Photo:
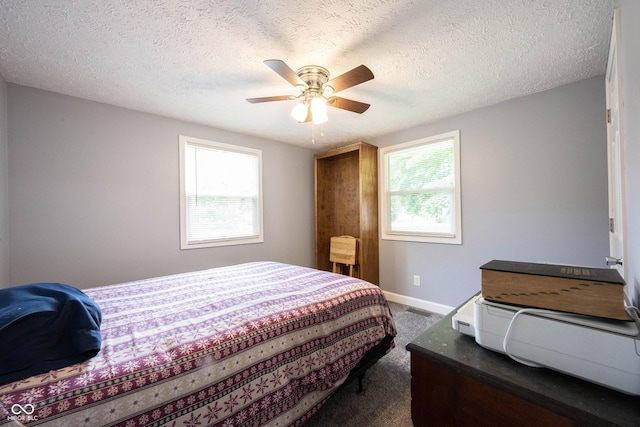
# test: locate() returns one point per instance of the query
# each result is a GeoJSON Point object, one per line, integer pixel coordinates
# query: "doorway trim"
{"type": "Point", "coordinates": [616, 151]}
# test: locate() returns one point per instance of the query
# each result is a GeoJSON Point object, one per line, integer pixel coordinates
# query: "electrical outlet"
{"type": "Point", "coordinates": [416, 280]}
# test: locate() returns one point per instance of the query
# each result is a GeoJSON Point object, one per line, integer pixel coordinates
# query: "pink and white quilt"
{"type": "Point", "coordinates": [253, 344]}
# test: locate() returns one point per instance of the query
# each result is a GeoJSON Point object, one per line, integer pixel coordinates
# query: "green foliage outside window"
{"type": "Point", "coordinates": [421, 185]}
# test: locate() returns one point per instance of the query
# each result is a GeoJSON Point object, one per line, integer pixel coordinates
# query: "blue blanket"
{"type": "Point", "coordinates": [46, 326]}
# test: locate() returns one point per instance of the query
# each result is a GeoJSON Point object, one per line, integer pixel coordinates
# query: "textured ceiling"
{"type": "Point", "coordinates": [198, 60]}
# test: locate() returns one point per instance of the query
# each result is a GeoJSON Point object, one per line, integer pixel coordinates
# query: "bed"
{"type": "Point", "coordinates": [260, 343]}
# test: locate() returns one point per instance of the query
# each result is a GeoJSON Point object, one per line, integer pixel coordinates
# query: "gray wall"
{"type": "Point", "coordinates": [93, 194]}
{"type": "Point", "coordinates": [534, 188]}
{"type": "Point", "coordinates": [4, 185]}
{"type": "Point", "coordinates": [630, 89]}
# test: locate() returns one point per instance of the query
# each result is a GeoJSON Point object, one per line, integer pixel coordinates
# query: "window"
{"type": "Point", "coordinates": [420, 198]}
{"type": "Point", "coordinates": [220, 194]}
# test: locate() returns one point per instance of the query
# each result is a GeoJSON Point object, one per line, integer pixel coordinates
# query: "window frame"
{"type": "Point", "coordinates": [385, 205]}
{"type": "Point", "coordinates": [226, 241]}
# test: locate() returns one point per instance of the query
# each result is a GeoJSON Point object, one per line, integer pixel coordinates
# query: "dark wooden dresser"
{"type": "Point", "coordinates": [455, 382]}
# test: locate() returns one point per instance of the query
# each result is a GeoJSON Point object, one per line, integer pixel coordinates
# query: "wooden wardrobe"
{"type": "Point", "coordinates": [346, 203]}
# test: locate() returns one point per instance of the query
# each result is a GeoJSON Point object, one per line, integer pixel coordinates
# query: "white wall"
{"type": "Point", "coordinates": [4, 186]}
{"type": "Point", "coordinates": [534, 188]}
{"type": "Point", "coordinates": [630, 89]}
{"type": "Point", "coordinates": [93, 194]}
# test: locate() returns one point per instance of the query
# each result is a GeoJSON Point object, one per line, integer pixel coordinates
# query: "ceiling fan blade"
{"type": "Point", "coordinates": [351, 78]}
{"type": "Point", "coordinates": [270, 98]}
{"type": "Point", "coordinates": [348, 104]}
{"type": "Point", "coordinates": [285, 71]}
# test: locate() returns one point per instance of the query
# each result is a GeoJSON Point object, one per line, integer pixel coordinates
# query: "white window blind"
{"type": "Point", "coordinates": [221, 201]}
{"type": "Point", "coordinates": [421, 190]}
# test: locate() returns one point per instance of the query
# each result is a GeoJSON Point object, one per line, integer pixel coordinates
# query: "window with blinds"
{"type": "Point", "coordinates": [220, 194]}
{"type": "Point", "coordinates": [421, 190]}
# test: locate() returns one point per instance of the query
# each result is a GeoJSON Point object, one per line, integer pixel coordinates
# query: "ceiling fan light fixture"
{"type": "Point", "coordinates": [299, 112]}
{"type": "Point", "coordinates": [317, 90]}
{"type": "Point", "coordinates": [318, 110]}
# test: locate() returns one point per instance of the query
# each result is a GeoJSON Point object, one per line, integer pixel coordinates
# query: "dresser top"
{"type": "Point", "coordinates": [574, 398]}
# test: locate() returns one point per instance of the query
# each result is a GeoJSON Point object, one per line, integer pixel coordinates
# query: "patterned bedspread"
{"type": "Point", "coordinates": [251, 344]}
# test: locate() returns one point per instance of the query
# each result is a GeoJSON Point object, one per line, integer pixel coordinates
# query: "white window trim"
{"type": "Point", "coordinates": [456, 237]}
{"type": "Point", "coordinates": [184, 244]}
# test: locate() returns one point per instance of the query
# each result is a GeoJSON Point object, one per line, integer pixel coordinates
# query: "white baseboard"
{"type": "Point", "coordinates": [419, 303]}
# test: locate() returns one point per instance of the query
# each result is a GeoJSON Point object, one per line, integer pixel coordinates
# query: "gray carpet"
{"type": "Point", "coordinates": [386, 399]}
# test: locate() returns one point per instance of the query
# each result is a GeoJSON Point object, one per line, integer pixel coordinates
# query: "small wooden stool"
{"type": "Point", "coordinates": [344, 250]}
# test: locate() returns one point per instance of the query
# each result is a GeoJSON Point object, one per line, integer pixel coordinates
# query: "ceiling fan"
{"type": "Point", "coordinates": [316, 90]}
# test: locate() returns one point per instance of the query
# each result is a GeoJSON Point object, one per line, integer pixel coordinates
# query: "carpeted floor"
{"type": "Point", "coordinates": [386, 399]}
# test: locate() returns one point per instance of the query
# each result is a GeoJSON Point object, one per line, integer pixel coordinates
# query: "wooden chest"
{"type": "Point", "coordinates": [581, 290]}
